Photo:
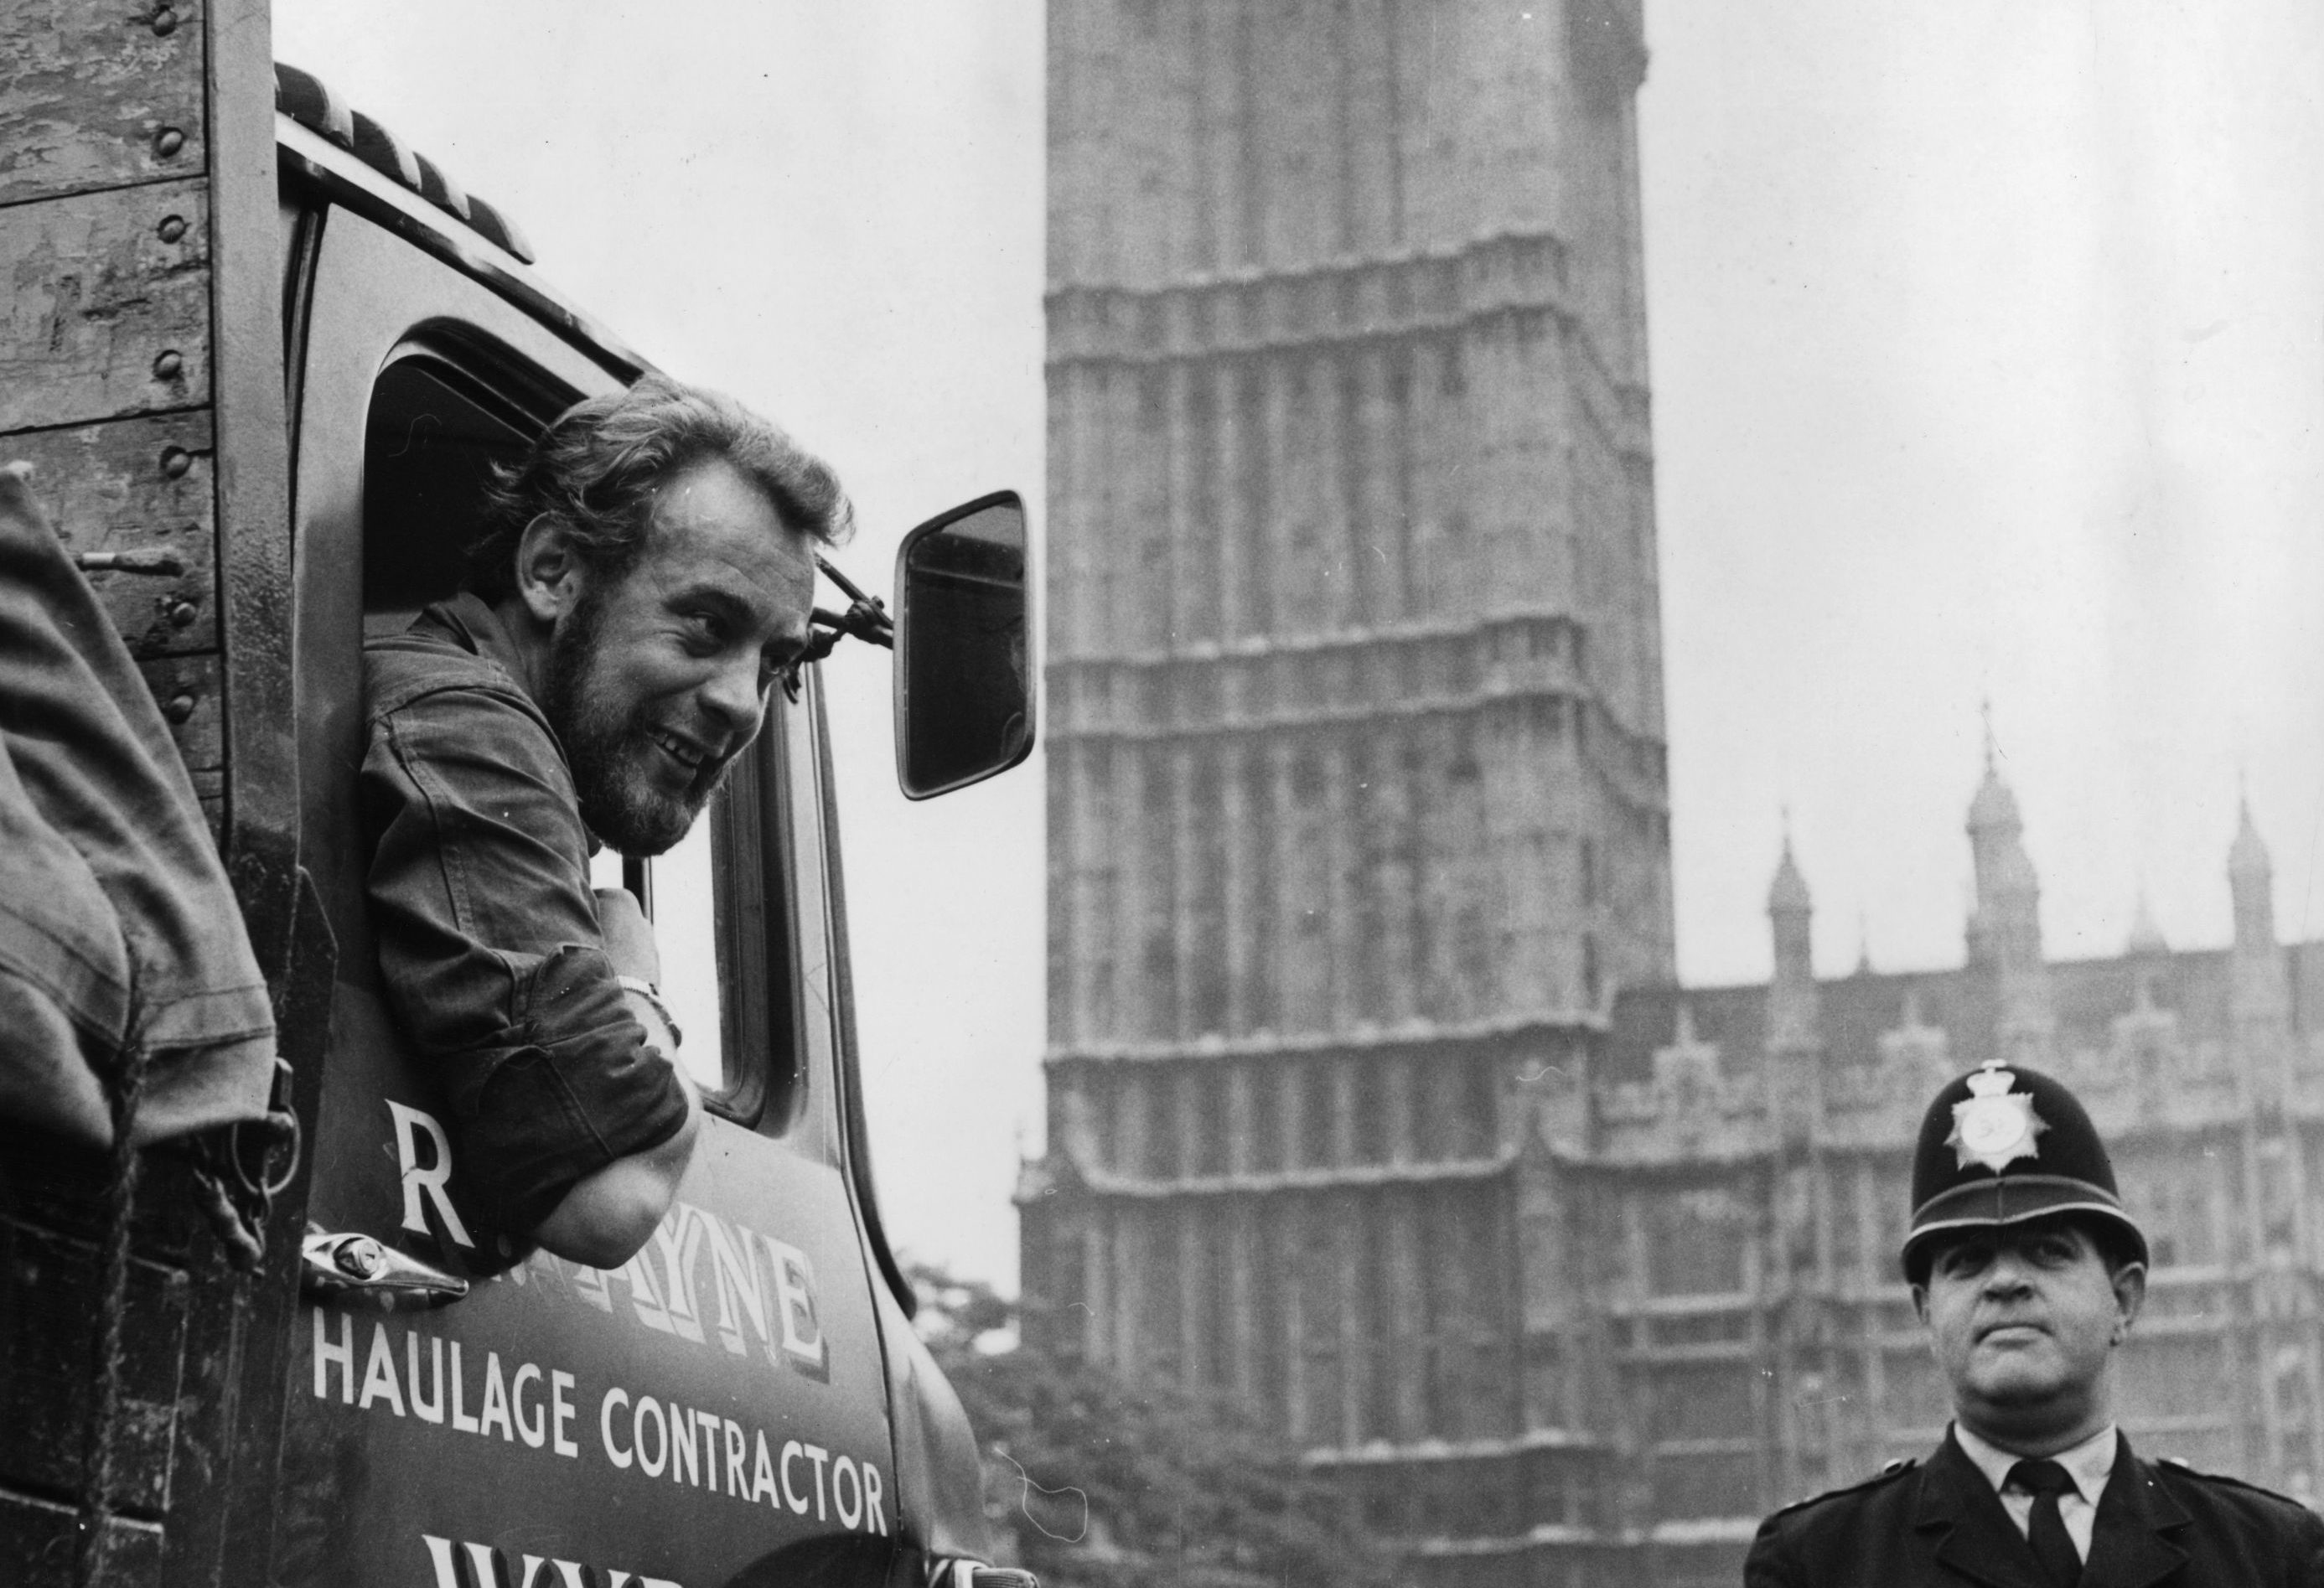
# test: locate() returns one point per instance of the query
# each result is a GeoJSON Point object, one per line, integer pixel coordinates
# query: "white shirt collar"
{"type": "Point", "coordinates": [2088, 1464]}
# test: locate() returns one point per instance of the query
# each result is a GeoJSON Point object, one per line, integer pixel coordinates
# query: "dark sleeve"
{"type": "Point", "coordinates": [490, 953]}
{"type": "Point", "coordinates": [2310, 1551]}
{"type": "Point", "coordinates": [1769, 1565]}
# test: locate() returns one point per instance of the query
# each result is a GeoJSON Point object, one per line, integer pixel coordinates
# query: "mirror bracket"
{"type": "Point", "coordinates": [866, 618]}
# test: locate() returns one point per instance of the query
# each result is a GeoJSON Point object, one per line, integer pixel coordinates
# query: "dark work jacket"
{"type": "Point", "coordinates": [487, 932]}
{"type": "Point", "coordinates": [1940, 1522]}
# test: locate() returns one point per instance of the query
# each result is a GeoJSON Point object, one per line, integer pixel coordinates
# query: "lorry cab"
{"type": "Point", "coordinates": [744, 1400]}
{"type": "Point", "coordinates": [375, 1388]}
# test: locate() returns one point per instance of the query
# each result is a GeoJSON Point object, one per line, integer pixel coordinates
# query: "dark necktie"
{"type": "Point", "coordinates": [2046, 1530]}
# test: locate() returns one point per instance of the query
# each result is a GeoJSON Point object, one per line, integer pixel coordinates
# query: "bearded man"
{"type": "Point", "coordinates": [646, 574]}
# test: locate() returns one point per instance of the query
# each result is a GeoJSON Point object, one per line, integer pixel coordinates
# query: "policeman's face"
{"type": "Point", "coordinates": [2024, 1319]}
{"type": "Point", "coordinates": [658, 680]}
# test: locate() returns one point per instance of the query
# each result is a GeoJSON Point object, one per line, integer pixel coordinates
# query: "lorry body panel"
{"type": "Point", "coordinates": [143, 362]}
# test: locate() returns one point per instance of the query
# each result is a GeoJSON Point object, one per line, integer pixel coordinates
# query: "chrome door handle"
{"type": "Point", "coordinates": [356, 1268]}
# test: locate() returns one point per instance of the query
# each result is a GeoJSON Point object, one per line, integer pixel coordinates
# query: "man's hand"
{"type": "Point", "coordinates": [629, 944]}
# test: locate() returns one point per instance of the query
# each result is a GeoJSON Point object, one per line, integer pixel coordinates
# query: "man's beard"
{"type": "Point", "coordinates": [612, 755]}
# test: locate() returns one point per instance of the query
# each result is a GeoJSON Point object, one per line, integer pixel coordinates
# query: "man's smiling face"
{"type": "Point", "coordinates": [658, 680]}
{"type": "Point", "coordinates": [2024, 1318]}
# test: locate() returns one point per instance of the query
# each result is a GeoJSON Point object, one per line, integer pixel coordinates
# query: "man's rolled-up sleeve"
{"type": "Point", "coordinates": [490, 953]}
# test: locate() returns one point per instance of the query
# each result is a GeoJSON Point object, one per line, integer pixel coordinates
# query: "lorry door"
{"type": "Point", "coordinates": [714, 1411]}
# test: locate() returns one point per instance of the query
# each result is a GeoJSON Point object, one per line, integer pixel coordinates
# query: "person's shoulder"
{"type": "Point", "coordinates": [429, 658]}
{"type": "Point", "coordinates": [1834, 1504]}
{"type": "Point", "coordinates": [1839, 1531]}
{"type": "Point", "coordinates": [2233, 1497]}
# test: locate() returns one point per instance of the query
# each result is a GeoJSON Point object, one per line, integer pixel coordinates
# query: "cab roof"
{"type": "Point", "coordinates": [366, 166]}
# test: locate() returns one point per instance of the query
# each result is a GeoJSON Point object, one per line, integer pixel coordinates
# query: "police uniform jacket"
{"type": "Point", "coordinates": [1940, 1522]}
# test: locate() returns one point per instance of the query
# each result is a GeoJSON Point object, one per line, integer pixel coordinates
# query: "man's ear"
{"type": "Point", "coordinates": [2129, 1295]}
{"type": "Point", "coordinates": [549, 573]}
{"type": "Point", "coordinates": [1921, 1303]}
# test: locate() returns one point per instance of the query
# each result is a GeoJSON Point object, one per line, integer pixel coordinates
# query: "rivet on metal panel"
{"type": "Point", "coordinates": [172, 228]}
{"type": "Point", "coordinates": [176, 461]}
{"type": "Point", "coordinates": [182, 615]}
{"type": "Point", "coordinates": [362, 1257]}
{"type": "Point", "coordinates": [165, 22]}
{"type": "Point", "coordinates": [179, 708]}
{"type": "Point", "coordinates": [168, 141]}
{"type": "Point", "coordinates": [167, 366]}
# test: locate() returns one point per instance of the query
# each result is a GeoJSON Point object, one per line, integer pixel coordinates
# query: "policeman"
{"type": "Point", "coordinates": [2027, 1275]}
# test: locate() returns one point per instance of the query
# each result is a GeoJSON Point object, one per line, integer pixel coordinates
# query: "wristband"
{"type": "Point", "coordinates": [652, 994]}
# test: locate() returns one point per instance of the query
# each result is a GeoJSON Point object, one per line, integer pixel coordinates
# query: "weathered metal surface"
{"type": "Point", "coordinates": [117, 487]}
{"type": "Point", "coordinates": [89, 93]}
{"type": "Point", "coordinates": [99, 286]}
{"type": "Point", "coordinates": [253, 480]}
{"type": "Point", "coordinates": [49, 1292]}
{"type": "Point", "coordinates": [186, 688]}
{"type": "Point", "coordinates": [139, 234]}
{"type": "Point", "coordinates": [223, 1530]}
{"type": "Point", "coordinates": [36, 1547]}
{"type": "Point", "coordinates": [59, 1187]}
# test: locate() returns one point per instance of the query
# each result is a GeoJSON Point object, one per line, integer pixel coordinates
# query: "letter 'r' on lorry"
{"type": "Point", "coordinates": [263, 310]}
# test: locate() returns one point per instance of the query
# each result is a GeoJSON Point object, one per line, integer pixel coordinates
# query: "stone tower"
{"type": "Point", "coordinates": [1357, 812]}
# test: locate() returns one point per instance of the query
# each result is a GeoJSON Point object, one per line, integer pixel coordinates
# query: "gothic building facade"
{"type": "Point", "coordinates": [1373, 1107]}
{"type": "Point", "coordinates": [1723, 1178]}
{"type": "Point", "coordinates": [1356, 793]}
{"type": "Point", "coordinates": [1670, 1301]}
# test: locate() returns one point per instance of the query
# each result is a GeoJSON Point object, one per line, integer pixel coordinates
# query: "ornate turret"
{"type": "Point", "coordinates": [1792, 996]}
{"type": "Point", "coordinates": [1794, 1018]}
{"type": "Point", "coordinates": [2005, 923]}
{"type": "Point", "coordinates": [2260, 995]}
{"type": "Point", "coordinates": [2146, 940]}
{"type": "Point", "coordinates": [2251, 879]}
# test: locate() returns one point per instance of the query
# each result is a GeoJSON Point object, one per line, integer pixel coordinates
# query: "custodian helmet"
{"type": "Point", "coordinates": [2003, 1144]}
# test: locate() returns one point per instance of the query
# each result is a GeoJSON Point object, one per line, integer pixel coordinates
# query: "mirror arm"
{"type": "Point", "coordinates": [866, 616]}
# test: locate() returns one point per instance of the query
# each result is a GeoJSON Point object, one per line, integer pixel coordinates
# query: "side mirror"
{"type": "Point", "coordinates": [963, 657]}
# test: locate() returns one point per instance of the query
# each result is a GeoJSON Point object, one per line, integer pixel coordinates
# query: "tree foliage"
{"type": "Point", "coordinates": [1101, 1484]}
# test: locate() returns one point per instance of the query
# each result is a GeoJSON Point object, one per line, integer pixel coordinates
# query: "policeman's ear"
{"type": "Point", "coordinates": [2129, 1295]}
{"type": "Point", "coordinates": [549, 572]}
{"type": "Point", "coordinates": [1920, 1302]}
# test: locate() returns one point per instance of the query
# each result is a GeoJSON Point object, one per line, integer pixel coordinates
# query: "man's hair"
{"type": "Point", "coordinates": [594, 469]}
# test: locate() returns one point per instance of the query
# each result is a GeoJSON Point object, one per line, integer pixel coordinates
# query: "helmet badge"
{"type": "Point", "coordinates": [1995, 1126]}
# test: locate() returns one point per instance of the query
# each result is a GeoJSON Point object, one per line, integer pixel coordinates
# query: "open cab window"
{"type": "Point", "coordinates": [441, 420]}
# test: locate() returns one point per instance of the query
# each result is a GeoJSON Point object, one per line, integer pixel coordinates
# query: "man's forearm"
{"type": "Point", "coordinates": [609, 1215]}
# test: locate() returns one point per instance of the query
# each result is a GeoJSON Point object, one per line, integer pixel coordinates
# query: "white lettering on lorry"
{"type": "Point", "coordinates": [425, 1180]}
{"type": "Point", "coordinates": [527, 1403]}
{"type": "Point", "coordinates": [488, 1568]}
{"type": "Point", "coordinates": [759, 1286]}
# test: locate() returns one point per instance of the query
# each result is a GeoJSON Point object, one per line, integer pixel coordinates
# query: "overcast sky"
{"type": "Point", "coordinates": [1987, 364]}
